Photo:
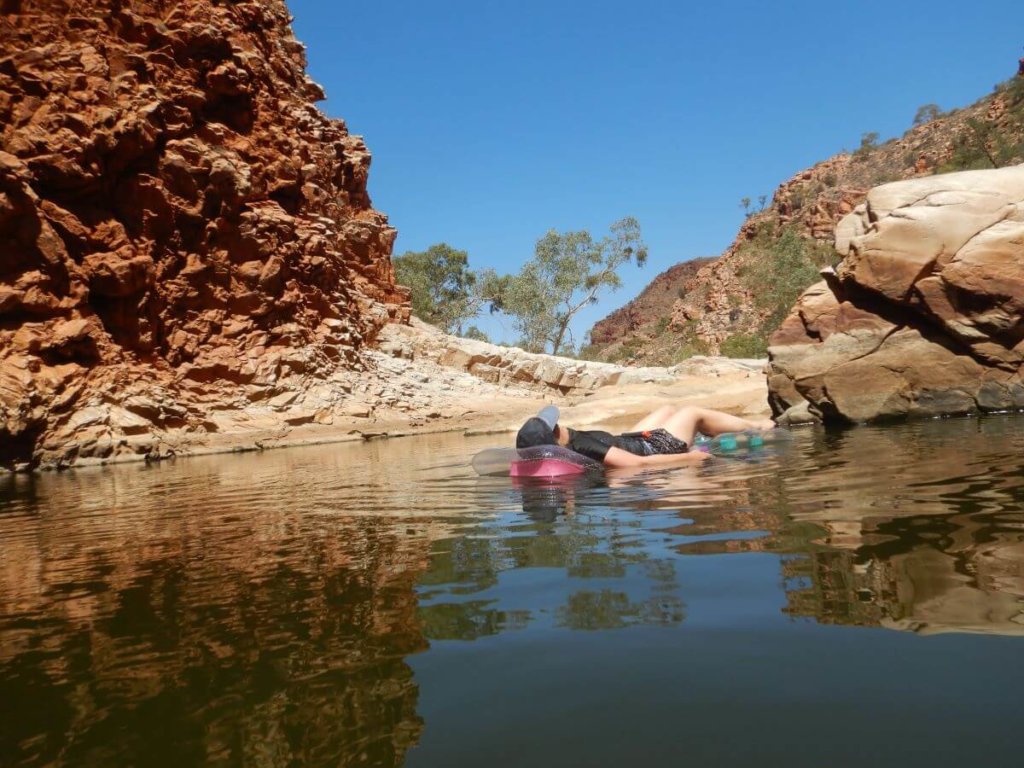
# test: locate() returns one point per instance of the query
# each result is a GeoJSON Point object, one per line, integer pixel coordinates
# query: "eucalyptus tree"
{"type": "Point", "coordinates": [567, 273]}
{"type": "Point", "coordinates": [442, 285]}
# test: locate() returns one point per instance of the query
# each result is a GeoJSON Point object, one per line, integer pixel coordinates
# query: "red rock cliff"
{"type": "Point", "coordinates": [174, 211]}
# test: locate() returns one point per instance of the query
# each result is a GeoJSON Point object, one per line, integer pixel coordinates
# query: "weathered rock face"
{"type": "Point", "coordinates": [925, 314]}
{"type": "Point", "coordinates": [720, 302]}
{"type": "Point", "coordinates": [175, 215]}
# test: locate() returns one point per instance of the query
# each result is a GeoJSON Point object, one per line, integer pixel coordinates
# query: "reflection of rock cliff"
{"type": "Point", "coordinates": [176, 217]}
{"type": "Point", "coordinates": [935, 547]}
{"type": "Point", "coordinates": [924, 316]}
{"type": "Point", "coordinates": [942, 574]}
{"type": "Point", "coordinates": [214, 630]}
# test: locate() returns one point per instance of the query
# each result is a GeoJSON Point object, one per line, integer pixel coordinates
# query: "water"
{"type": "Point", "coordinates": [856, 598]}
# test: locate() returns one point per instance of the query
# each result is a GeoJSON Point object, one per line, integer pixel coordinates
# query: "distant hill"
{"type": "Point", "coordinates": [733, 303]}
{"type": "Point", "coordinates": [644, 319]}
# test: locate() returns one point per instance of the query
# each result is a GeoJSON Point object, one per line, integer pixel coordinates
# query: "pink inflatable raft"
{"type": "Point", "coordinates": [547, 461]}
{"type": "Point", "coordinates": [541, 461]}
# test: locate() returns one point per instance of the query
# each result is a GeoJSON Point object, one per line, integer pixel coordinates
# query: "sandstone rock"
{"type": "Point", "coordinates": [10, 299]}
{"type": "Point", "coordinates": [176, 219]}
{"type": "Point", "coordinates": [120, 274]}
{"type": "Point", "coordinates": [925, 314]}
{"type": "Point", "coordinates": [282, 400]}
{"type": "Point", "coordinates": [73, 339]}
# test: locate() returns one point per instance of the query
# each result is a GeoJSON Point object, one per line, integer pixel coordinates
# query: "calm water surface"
{"type": "Point", "coordinates": [856, 598]}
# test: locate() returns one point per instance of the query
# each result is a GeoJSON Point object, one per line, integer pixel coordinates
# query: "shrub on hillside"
{"type": "Point", "coordinates": [779, 268]}
{"type": "Point", "coordinates": [745, 345]}
{"type": "Point", "coordinates": [926, 113]}
{"type": "Point", "coordinates": [475, 333]}
{"type": "Point", "coordinates": [868, 144]}
{"type": "Point", "coordinates": [984, 143]}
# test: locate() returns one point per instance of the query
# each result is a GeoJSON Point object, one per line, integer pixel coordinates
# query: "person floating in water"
{"type": "Point", "coordinates": [662, 437]}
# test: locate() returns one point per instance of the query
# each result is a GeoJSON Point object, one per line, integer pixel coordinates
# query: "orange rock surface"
{"type": "Point", "coordinates": [177, 219]}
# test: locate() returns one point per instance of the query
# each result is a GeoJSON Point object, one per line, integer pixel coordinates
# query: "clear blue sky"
{"type": "Point", "coordinates": [492, 122]}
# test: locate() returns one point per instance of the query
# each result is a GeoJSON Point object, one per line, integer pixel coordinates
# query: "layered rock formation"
{"type": "Point", "coordinates": [512, 368]}
{"type": "Point", "coordinates": [924, 315]}
{"type": "Point", "coordinates": [181, 230]}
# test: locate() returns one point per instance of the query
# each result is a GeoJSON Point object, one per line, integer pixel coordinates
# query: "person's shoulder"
{"type": "Point", "coordinates": [588, 444]}
{"type": "Point", "coordinates": [596, 434]}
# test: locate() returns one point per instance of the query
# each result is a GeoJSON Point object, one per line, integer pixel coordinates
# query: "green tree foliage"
{"type": "Point", "coordinates": [868, 142]}
{"type": "Point", "coordinates": [475, 333]}
{"type": "Point", "coordinates": [781, 268]}
{"type": "Point", "coordinates": [444, 289]}
{"type": "Point", "coordinates": [567, 272]}
{"type": "Point", "coordinates": [926, 113]}
{"type": "Point", "coordinates": [744, 345]}
{"type": "Point", "coordinates": [983, 144]}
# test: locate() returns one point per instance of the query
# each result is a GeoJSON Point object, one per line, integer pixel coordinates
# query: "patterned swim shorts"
{"type": "Point", "coordinates": [651, 442]}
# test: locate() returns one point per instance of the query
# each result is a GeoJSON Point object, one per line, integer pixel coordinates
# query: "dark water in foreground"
{"type": "Point", "coordinates": [856, 599]}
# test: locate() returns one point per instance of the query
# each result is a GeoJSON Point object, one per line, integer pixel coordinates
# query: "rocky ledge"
{"type": "Point", "coordinates": [545, 374]}
{"type": "Point", "coordinates": [924, 316]}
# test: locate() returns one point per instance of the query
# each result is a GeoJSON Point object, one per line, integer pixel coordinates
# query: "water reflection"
{"type": "Point", "coordinates": [571, 561]}
{"type": "Point", "coordinates": [917, 528]}
{"type": "Point", "coordinates": [203, 614]}
{"type": "Point", "coordinates": [265, 609]}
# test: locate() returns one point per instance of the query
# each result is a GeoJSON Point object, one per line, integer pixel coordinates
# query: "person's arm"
{"type": "Point", "coordinates": [616, 457]}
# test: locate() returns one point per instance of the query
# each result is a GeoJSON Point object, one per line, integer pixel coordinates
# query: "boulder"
{"type": "Point", "coordinates": [924, 316]}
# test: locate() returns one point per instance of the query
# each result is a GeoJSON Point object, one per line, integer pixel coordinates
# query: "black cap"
{"type": "Point", "coordinates": [535, 432]}
{"type": "Point", "coordinates": [539, 430]}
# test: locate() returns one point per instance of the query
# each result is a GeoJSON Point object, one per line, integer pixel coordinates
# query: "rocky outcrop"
{"type": "Point", "coordinates": [924, 315]}
{"type": "Point", "coordinates": [721, 302]}
{"type": "Point", "coordinates": [181, 230]}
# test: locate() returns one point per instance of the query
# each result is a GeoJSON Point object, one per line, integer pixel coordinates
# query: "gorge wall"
{"type": "Point", "coordinates": [181, 230]}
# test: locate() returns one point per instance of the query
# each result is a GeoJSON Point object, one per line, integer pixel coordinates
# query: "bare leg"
{"type": "Point", "coordinates": [655, 419]}
{"type": "Point", "coordinates": [689, 420]}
